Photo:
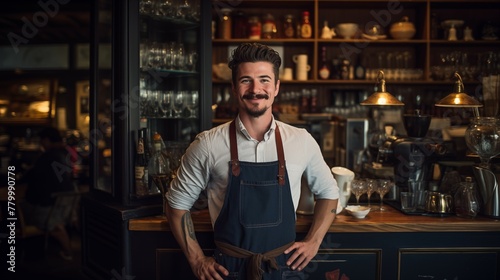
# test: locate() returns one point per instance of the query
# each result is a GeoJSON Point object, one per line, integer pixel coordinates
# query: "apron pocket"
{"type": "Point", "coordinates": [260, 204]}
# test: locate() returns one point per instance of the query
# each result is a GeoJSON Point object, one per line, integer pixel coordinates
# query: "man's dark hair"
{"type": "Point", "coordinates": [52, 134]}
{"type": "Point", "coordinates": [254, 52]}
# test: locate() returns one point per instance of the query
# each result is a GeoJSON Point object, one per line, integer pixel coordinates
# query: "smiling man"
{"type": "Point", "coordinates": [251, 168]}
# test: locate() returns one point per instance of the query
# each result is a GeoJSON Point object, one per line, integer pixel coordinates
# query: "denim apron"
{"type": "Point", "coordinates": [257, 217]}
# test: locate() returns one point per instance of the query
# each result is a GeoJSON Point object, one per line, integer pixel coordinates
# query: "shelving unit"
{"type": "Point", "coordinates": [425, 49]}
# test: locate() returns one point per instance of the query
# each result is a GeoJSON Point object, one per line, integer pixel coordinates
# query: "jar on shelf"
{"type": "Point", "coordinates": [240, 22]}
{"type": "Point", "coordinates": [289, 26]}
{"type": "Point", "coordinates": [269, 29]}
{"type": "Point", "coordinates": [225, 23]}
{"type": "Point", "coordinates": [254, 28]}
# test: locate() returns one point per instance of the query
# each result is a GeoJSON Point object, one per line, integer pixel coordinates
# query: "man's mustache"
{"type": "Point", "coordinates": [255, 96]}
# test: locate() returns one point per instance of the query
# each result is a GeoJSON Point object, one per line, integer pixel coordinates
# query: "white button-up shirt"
{"type": "Point", "coordinates": [205, 165]}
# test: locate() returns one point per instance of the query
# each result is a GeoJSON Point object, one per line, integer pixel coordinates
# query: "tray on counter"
{"type": "Point", "coordinates": [397, 205]}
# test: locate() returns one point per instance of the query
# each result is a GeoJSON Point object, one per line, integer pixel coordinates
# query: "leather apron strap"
{"type": "Point", "coordinates": [235, 167]}
{"type": "Point", "coordinates": [254, 270]}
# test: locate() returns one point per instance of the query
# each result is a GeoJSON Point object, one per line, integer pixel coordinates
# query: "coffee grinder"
{"type": "Point", "coordinates": [412, 156]}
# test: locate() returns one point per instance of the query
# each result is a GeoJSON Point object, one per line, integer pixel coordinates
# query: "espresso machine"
{"type": "Point", "coordinates": [412, 156]}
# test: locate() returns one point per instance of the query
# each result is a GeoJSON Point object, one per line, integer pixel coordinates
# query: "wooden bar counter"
{"type": "Point", "coordinates": [391, 220]}
{"type": "Point", "coordinates": [411, 247]}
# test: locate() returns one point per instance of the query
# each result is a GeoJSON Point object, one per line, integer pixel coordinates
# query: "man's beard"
{"type": "Point", "coordinates": [251, 111]}
{"type": "Point", "coordinates": [255, 113]}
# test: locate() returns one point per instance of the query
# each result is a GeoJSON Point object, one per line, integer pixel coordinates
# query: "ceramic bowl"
{"type": "Point", "coordinates": [402, 30]}
{"type": "Point", "coordinates": [358, 211]}
{"type": "Point", "coordinates": [347, 30]}
{"type": "Point", "coordinates": [222, 71]}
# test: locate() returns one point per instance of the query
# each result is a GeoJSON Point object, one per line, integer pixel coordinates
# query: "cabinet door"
{"type": "Point", "coordinates": [101, 130]}
{"type": "Point", "coordinates": [143, 51]}
{"type": "Point", "coordinates": [172, 264]}
{"type": "Point", "coordinates": [345, 264]}
{"type": "Point", "coordinates": [448, 263]}
{"type": "Point", "coordinates": [170, 81]}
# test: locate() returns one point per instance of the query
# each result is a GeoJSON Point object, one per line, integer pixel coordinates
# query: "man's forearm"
{"type": "Point", "coordinates": [324, 214]}
{"type": "Point", "coordinates": [182, 227]}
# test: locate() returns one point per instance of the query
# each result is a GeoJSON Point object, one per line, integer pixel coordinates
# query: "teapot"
{"type": "Point", "coordinates": [327, 32]}
{"type": "Point", "coordinates": [344, 178]}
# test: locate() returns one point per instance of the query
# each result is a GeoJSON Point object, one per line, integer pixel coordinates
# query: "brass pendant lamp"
{"type": "Point", "coordinates": [458, 98]}
{"type": "Point", "coordinates": [381, 97]}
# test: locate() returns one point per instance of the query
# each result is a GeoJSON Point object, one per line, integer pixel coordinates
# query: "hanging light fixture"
{"type": "Point", "coordinates": [458, 98]}
{"type": "Point", "coordinates": [381, 97]}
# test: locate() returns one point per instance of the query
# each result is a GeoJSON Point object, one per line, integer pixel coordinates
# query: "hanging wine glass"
{"type": "Point", "coordinates": [483, 137]}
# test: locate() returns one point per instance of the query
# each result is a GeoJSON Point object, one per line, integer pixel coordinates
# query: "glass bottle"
{"type": "Point", "coordinates": [289, 27]}
{"type": "Point", "coordinates": [158, 167]}
{"type": "Point", "coordinates": [324, 71]}
{"type": "Point", "coordinates": [466, 200]}
{"type": "Point", "coordinates": [269, 29]}
{"type": "Point", "coordinates": [225, 24]}
{"type": "Point", "coordinates": [452, 35]}
{"type": "Point", "coordinates": [254, 28]}
{"type": "Point", "coordinates": [141, 170]}
{"type": "Point", "coordinates": [305, 27]}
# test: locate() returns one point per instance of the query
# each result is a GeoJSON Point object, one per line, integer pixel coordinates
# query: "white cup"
{"type": "Point", "coordinates": [300, 59]}
{"type": "Point", "coordinates": [287, 74]}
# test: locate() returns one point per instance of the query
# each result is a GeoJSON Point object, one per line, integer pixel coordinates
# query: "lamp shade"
{"type": "Point", "coordinates": [458, 98]}
{"type": "Point", "coordinates": [381, 97]}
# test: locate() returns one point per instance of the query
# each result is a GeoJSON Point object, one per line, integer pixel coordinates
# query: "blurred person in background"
{"type": "Point", "coordinates": [52, 172]}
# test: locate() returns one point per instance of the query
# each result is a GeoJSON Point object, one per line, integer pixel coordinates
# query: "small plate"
{"type": "Point", "coordinates": [374, 37]}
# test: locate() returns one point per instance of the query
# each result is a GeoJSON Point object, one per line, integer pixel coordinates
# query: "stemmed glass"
{"type": "Point", "coordinates": [371, 187]}
{"type": "Point", "coordinates": [179, 103]}
{"type": "Point", "coordinates": [166, 103]}
{"type": "Point", "coordinates": [358, 188]}
{"type": "Point", "coordinates": [154, 102]}
{"type": "Point", "coordinates": [191, 59]}
{"type": "Point", "coordinates": [383, 188]}
{"type": "Point", "coordinates": [143, 102]}
{"type": "Point", "coordinates": [192, 103]}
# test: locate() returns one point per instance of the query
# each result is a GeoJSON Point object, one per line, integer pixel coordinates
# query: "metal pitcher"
{"type": "Point", "coordinates": [487, 183]}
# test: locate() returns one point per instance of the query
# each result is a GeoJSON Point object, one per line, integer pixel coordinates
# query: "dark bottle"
{"type": "Point", "coordinates": [324, 70]}
{"type": "Point", "coordinates": [345, 69]}
{"type": "Point", "coordinates": [289, 27]}
{"type": "Point", "coordinates": [240, 25]}
{"type": "Point", "coordinates": [141, 168]}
